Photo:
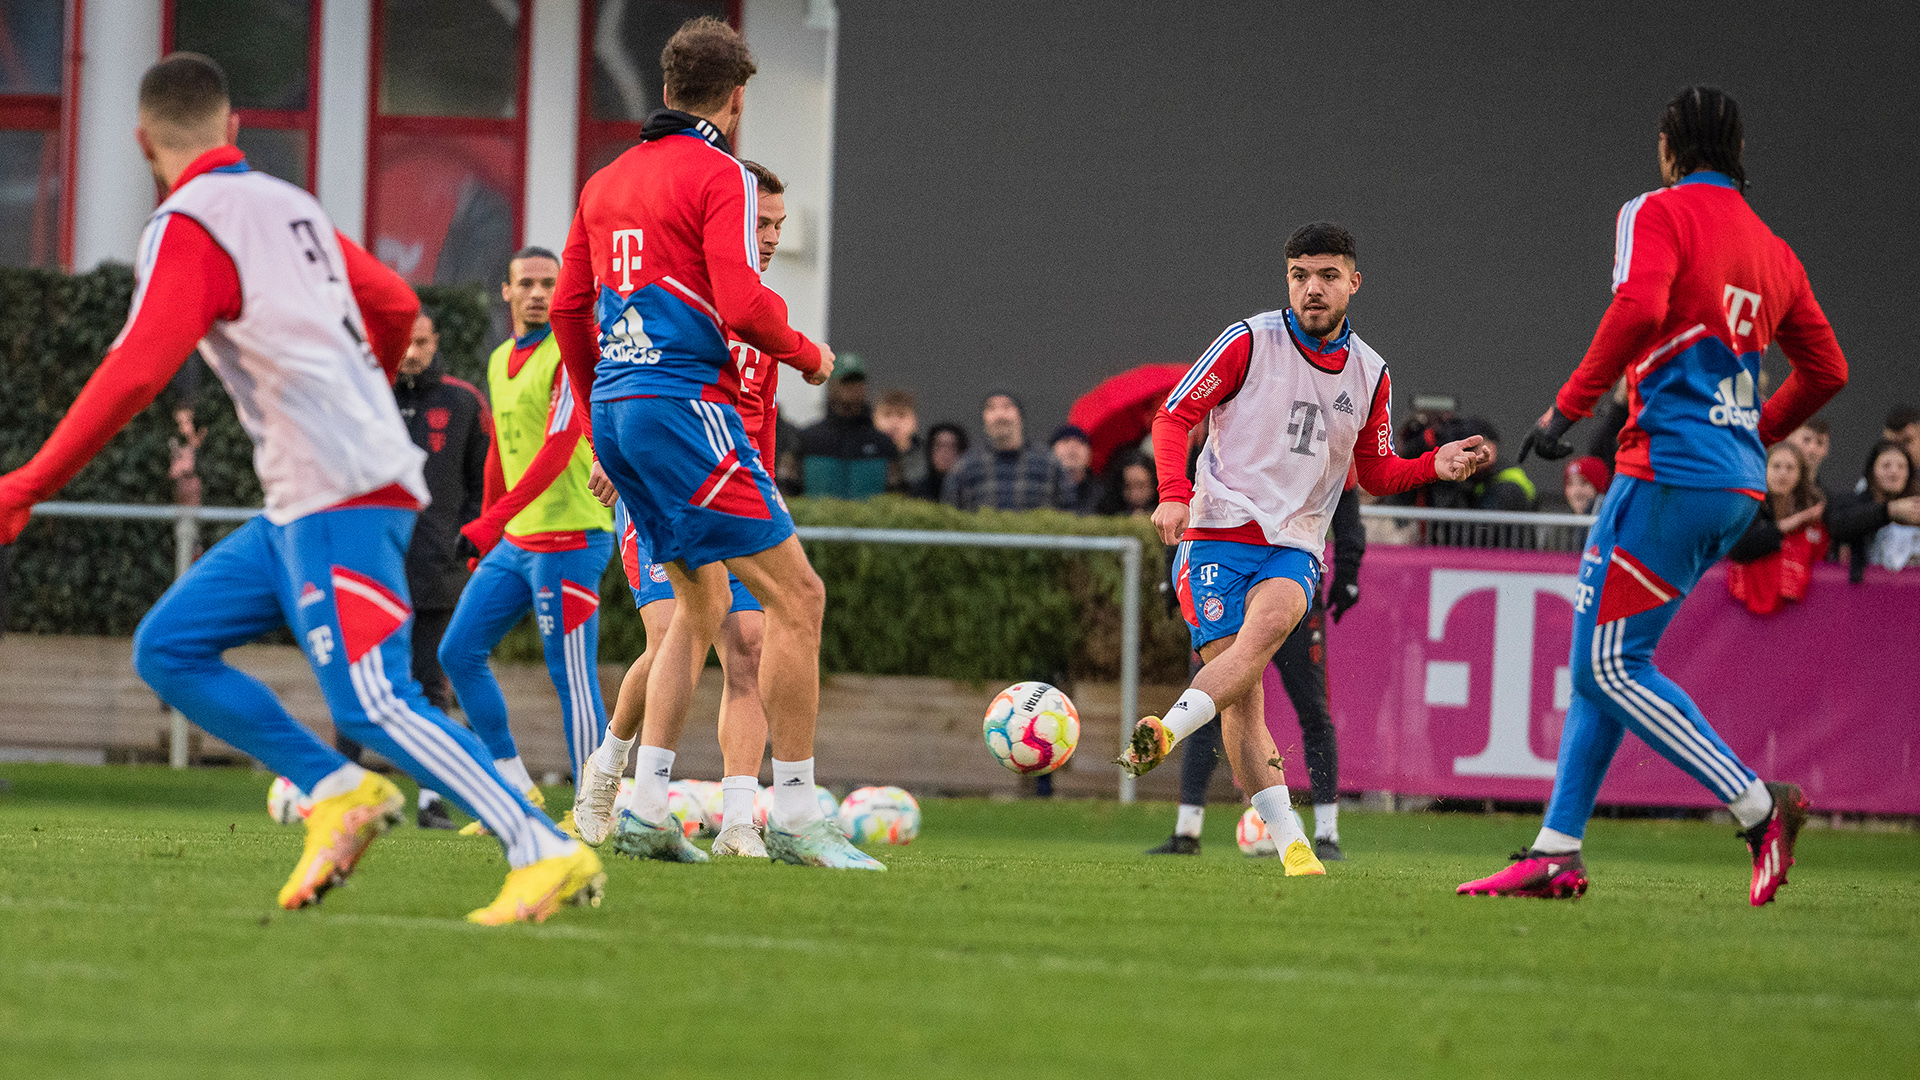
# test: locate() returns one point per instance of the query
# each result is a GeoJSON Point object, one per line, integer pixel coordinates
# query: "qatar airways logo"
{"type": "Point", "coordinates": [1206, 386]}
{"type": "Point", "coordinates": [626, 255]}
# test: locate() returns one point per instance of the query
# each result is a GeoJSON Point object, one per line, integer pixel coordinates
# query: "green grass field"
{"type": "Point", "coordinates": [138, 937]}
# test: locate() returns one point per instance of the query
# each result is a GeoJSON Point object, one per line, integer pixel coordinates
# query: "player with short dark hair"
{"type": "Point", "coordinates": [1701, 287]}
{"type": "Point", "coordinates": [1252, 524]}
{"type": "Point", "coordinates": [306, 331]}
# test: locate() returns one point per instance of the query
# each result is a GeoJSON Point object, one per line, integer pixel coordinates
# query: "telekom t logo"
{"type": "Point", "coordinates": [626, 255]}
{"type": "Point", "coordinates": [1508, 752]}
{"type": "Point", "coordinates": [1740, 303]}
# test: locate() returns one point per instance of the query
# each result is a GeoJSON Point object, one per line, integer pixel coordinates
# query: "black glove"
{"type": "Point", "coordinates": [467, 551]}
{"type": "Point", "coordinates": [1344, 594]}
{"type": "Point", "coordinates": [1546, 439]}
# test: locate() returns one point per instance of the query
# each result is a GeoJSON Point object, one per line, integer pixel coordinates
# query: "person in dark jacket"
{"type": "Point", "coordinates": [1890, 499]}
{"type": "Point", "coordinates": [1081, 492]}
{"type": "Point", "coordinates": [448, 418]}
{"type": "Point", "coordinates": [844, 456]}
{"type": "Point", "coordinates": [946, 445]}
{"type": "Point", "coordinates": [1008, 473]}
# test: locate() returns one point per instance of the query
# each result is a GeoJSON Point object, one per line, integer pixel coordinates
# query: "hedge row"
{"type": "Point", "coordinates": [969, 613]}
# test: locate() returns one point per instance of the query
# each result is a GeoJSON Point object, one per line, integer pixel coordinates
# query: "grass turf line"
{"type": "Point", "coordinates": [138, 937]}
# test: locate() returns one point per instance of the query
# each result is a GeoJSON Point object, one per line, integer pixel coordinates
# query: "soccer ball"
{"type": "Point", "coordinates": [287, 804]}
{"type": "Point", "coordinates": [763, 805]}
{"type": "Point", "coordinates": [625, 797]}
{"type": "Point", "coordinates": [1253, 837]}
{"type": "Point", "coordinates": [716, 809]}
{"type": "Point", "coordinates": [687, 803]}
{"type": "Point", "coordinates": [873, 815]}
{"type": "Point", "coordinates": [1032, 728]}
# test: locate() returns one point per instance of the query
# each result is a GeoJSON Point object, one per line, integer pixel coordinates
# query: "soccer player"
{"type": "Point", "coordinates": [1295, 400]}
{"type": "Point", "coordinates": [305, 330]}
{"type": "Point", "coordinates": [661, 266]}
{"type": "Point", "coordinates": [557, 536]}
{"type": "Point", "coordinates": [743, 723]}
{"type": "Point", "coordinates": [1701, 287]}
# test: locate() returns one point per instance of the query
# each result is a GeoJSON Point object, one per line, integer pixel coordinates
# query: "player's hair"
{"type": "Point", "coordinates": [183, 92]}
{"type": "Point", "coordinates": [529, 252]}
{"type": "Point", "coordinates": [770, 183]}
{"type": "Point", "coordinates": [1702, 126]}
{"type": "Point", "coordinates": [703, 61]}
{"type": "Point", "coordinates": [1804, 495]}
{"type": "Point", "coordinates": [897, 401]}
{"type": "Point", "coordinates": [1320, 238]}
{"type": "Point", "coordinates": [1900, 416]}
{"type": "Point", "coordinates": [1818, 425]}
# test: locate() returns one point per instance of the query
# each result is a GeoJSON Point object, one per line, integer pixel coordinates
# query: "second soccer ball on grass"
{"type": "Point", "coordinates": [1031, 728]}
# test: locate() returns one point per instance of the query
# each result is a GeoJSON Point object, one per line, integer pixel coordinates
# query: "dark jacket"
{"type": "Point", "coordinates": [448, 419]}
{"type": "Point", "coordinates": [845, 457]}
{"type": "Point", "coordinates": [989, 479]}
{"type": "Point", "coordinates": [1853, 521]}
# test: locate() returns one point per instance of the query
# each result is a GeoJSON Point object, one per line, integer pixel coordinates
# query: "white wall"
{"type": "Point", "coordinates": [553, 113]}
{"type": "Point", "coordinates": [788, 127]}
{"type": "Point", "coordinates": [113, 189]}
{"type": "Point", "coordinates": [340, 181]}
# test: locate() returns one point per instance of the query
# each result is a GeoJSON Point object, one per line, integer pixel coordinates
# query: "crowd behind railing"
{"type": "Point", "coordinates": [1809, 513]}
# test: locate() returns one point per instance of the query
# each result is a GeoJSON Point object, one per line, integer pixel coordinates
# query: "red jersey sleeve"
{"type": "Point", "coordinates": [1646, 258]}
{"type": "Point", "coordinates": [190, 284]}
{"type": "Point", "coordinates": [754, 313]}
{"type": "Point", "coordinates": [1380, 470]}
{"type": "Point", "coordinates": [1213, 380]}
{"type": "Point", "coordinates": [574, 328]}
{"type": "Point", "coordinates": [387, 303]}
{"type": "Point", "coordinates": [1819, 368]}
{"type": "Point", "coordinates": [564, 429]}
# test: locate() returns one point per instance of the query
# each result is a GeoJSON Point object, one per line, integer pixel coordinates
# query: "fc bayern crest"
{"type": "Point", "coordinates": [657, 572]}
{"type": "Point", "coordinates": [1213, 609]}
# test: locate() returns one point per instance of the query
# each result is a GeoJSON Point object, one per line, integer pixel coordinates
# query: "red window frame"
{"type": "Point", "coordinates": [59, 115]}
{"type": "Point", "coordinates": [307, 119]}
{"type": "Point", "coordinates": [589, 132]}
{"type": "Point", "coordinates": [515, 128]}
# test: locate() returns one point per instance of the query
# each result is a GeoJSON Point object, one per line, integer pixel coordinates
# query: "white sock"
{"type": "Point", "coordinates": [514, 772]}
{"type": "Point", "coordinates": [1753, 805]}
{"type": "Point", "coordinates": [1189, 714]}
{"type": "Point", "coordinates": [794, 805]}
{"type": "Point", "coordinates": [1276, 809]}
{"type": "Point", "coordinates": [548, 843]}
{"type": "Point", "coordinates": [428, 797]}
{"type": "Point", "coordinates": [338, 782]}
{"type": "Point", "coordinates": [613, 753]}
{"type": "Point", "coordinates": [1326, 821]}
{"type": "Point", "coordinates": [651, 770]}
{"type": "Point", "coordinates": [1188, 823]}
{"type": "Point", "coordinates": [1552, 842]}
{"type": "Point", "coordinates": [736, 798]}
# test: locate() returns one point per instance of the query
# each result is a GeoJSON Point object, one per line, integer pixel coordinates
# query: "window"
{"type": "Point", "coordinates": [620, 78]}
{"type": "Point", "coordinates": [448, 137]}
{"type": "Point", "coordinates": [270, 50]}
{"type": "Point", "coordinates": [36, 134]}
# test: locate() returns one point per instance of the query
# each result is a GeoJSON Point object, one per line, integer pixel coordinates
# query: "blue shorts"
{"type": "Point", "coordinates": [648, 579]}
{"type": "Point", "coordinates": [692, 481]}
{"type": "Point", "coordinates": [1212, 579]}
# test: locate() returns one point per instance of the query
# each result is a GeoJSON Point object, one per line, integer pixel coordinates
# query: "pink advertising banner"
{"type": "Point", "coordinates": [1450, 678]}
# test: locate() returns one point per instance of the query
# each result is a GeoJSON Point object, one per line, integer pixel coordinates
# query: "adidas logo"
{"type": "Point", "coordinates": [792, 781]}
{"type": "Point", "coordinates": [1343, 403]}
{"type": "Point", "coordinates": [1734, 403]}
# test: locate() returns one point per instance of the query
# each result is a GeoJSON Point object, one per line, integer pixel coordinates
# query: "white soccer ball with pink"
{"type": "Point", "coordinates": [1031, 728]}
{"type": "Point", "coordinates": [880, 815]}
{"type": "Point", "coordinates": [286, 803]}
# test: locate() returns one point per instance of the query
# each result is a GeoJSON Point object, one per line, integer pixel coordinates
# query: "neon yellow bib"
{"type": "Point", "coordinates": [521, 411]}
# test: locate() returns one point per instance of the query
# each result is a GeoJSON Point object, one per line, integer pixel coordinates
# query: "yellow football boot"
{"type": "Point", "coordinates": [534, 795]}
{"type": "Point", "coordinates": [338, 833]}
{"type": "Point", "coordinates": [536, 891]}
{"type": "Point", "coordinates": [1149, 746]}
{"type": "Point", "coordinates": [567, 826]}
{"type": "Point", "coordinates": [1300, 860]}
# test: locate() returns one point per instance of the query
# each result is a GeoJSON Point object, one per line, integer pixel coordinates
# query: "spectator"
{"type": "Point", "coordinates": [1773, 560]}
{"type": "Point", "coordinates": [1813, 439]}
{"type": "Point", "coordinates": [1081, 492]}
{"type": "Point", "coordinates": [1586, 480]}
{"type": "Point", "coordinates": [898, 419]}
{"type": "Point", "coordinates": [1903, 427]}
{"type": "Point", "coordinates": [786, 456]}
{"type": "Point", "coordinates": [1881, 524]}
{"type": "Point", "coordinates": [946, 444]}
{"type": "Point", "coordinates": [1139, 491]}
{"type": "Point", "coordinates": [1495, 487]}
{"type": "Point", "coordinates": [844, 456]}
{"type": "Point", "coordinates": [1008, 473]}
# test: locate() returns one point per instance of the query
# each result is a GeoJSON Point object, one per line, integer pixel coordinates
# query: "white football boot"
{"type": "Point", "coordinates": [593, 804]}
{"type": "Point", "coordinates": [741, 839]}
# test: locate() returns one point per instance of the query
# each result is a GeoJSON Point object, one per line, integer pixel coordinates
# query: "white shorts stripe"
{"type": "Point", "coordinates": [706, 425]}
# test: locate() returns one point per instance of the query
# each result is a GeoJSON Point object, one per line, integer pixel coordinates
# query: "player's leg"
{"type": "Point", "coordinates": [429, 627]}
{"type": "Point", "coordinates": [1302, 664]}
{"type": "Point", "coordinates": [1250, 748]}
{"type": "Point", "coordinates": [496, 597]}
{"type": "Point", "coordinates": [566, 609]}
{"type": "Point", "coordinates": [743, 728]}
{"type": "Point", "coordinates": [594, 807]}
{"type": "Point", "coordinates": [1202, 753]}
{"type": "Point", "coordinates": [368, 683]}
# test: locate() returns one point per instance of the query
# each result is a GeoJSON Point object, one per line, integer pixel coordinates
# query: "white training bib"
{"type": "Point", "coordinates": [1280, 450]}
{"type": "Point", "coordinates": [307, 388]}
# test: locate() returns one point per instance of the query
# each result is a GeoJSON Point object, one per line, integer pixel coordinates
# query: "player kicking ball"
{"type": "Point", "coordinates": [661, 267]}
{"type": "Point", "coordinates": [743, 723]}
{"type": "Point", "coordinates": [1701, 287]}
{"type": "Point", "coordinates": [298, 323]}
{"type": "Point", "coordinates": [1295, 399]}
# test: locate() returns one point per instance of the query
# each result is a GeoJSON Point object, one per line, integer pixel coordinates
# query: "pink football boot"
{"type": "Point", "coordinates": [1551, 877]}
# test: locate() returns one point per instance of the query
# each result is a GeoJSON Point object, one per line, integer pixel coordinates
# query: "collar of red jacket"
{"type": "Point", "coordinates": [219, 159]}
